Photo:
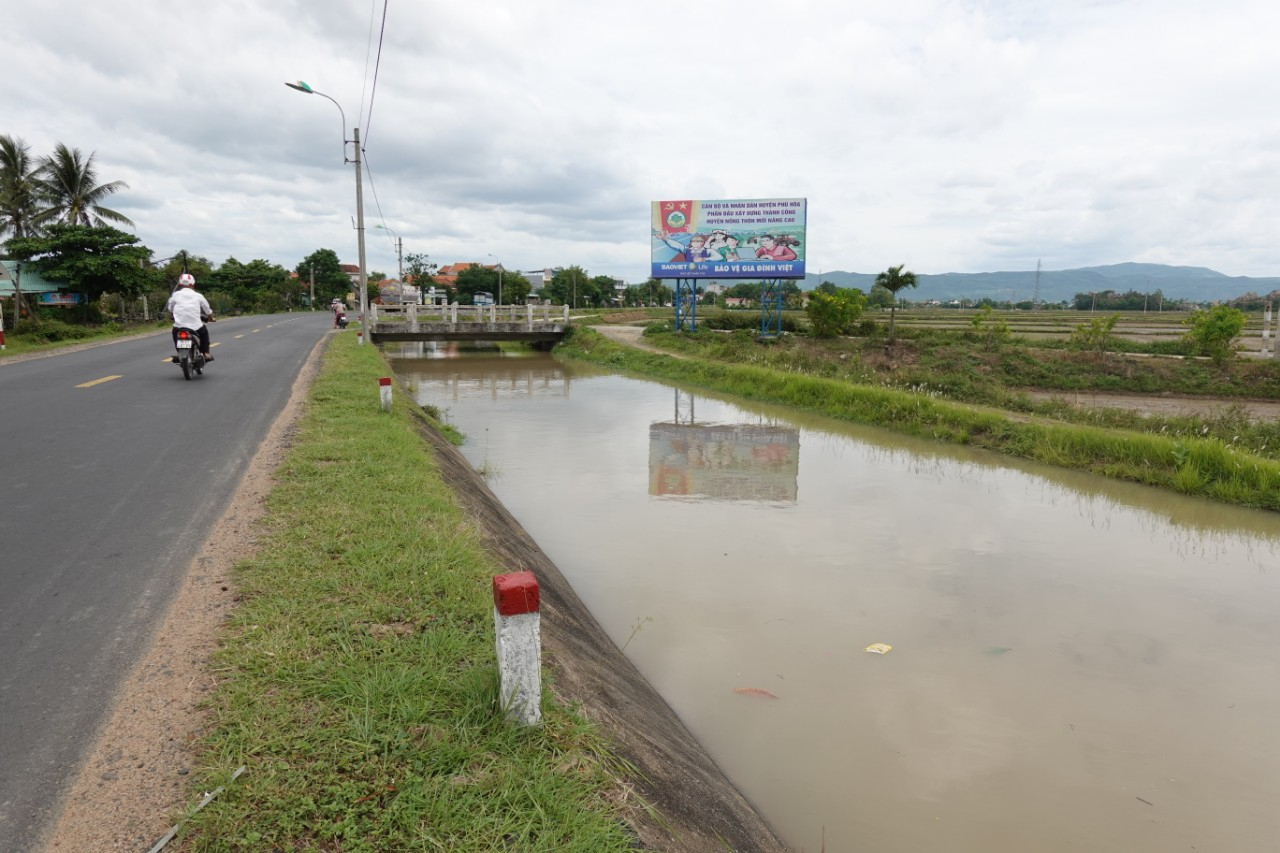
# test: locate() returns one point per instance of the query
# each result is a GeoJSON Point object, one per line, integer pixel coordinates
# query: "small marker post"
{"type": "Point", "coordinates": [384, 391]}
{"type": "Point", "coordinates": [517, 627]}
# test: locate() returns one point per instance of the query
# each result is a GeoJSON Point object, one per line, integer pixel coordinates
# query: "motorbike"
{"type": "Point", "coordinates": [189, 354]}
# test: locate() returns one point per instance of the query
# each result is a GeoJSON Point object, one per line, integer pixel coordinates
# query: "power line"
{"type": "Point", "coordinates": [377, 64]}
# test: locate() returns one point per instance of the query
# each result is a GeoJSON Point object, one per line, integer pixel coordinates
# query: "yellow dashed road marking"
{"type": "Point", "coordinates": [100, 381]}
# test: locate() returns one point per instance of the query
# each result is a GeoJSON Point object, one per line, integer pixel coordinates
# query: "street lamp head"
{"type": "Point", "coordinates": [301, 86]}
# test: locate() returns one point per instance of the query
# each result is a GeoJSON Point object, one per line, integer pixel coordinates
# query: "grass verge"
{"type": "Point", "coordinates": [1206, 467]}
{"type": "Point", "coordinates": [62, 335]}
{"type": "Point", "coordinates": [357, 679]}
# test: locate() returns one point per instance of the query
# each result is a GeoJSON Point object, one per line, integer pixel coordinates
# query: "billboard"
{"type": "Point", "coordinates": [63, 299]}
{"type": "Point", "coordinates": [728, 238]}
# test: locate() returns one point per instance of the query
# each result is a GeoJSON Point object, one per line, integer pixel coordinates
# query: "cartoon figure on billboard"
{"type": "Point", "coordinates": [724, 244]}
{"type": "Point", "coordinates": [697, 252]}
{"type": "Point", "coordinates": [776, 248]}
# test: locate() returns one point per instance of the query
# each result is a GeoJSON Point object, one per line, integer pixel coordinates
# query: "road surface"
{"type": "Point", "coordinates": [112, 470]}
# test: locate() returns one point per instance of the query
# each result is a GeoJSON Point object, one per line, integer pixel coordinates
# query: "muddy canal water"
{"type": "Point", "coordinates": [1075, 664]}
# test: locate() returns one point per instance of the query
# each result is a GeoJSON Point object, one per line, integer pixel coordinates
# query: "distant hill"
{"type": "Point", "coordinates": [1194, 283]}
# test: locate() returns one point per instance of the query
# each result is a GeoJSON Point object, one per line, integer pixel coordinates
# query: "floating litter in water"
{"type": "Point", "coordinates": [755, 691]}
{"type": "Point", "coordinates": [879, 648]}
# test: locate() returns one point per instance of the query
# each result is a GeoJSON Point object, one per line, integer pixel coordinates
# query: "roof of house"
{"type": "Point", "coordinates": [447, 275]}
{"type": "Point", "coordinates": [31, 281]}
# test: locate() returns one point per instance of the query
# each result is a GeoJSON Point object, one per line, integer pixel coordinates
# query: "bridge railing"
{"type": "Point", "coordinates": [453, 314]}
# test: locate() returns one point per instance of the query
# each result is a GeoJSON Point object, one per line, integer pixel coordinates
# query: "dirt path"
{"type": "Point", "coordinates": [631, 336]}
{"type": "Point", "coordinates": [1160, 404]}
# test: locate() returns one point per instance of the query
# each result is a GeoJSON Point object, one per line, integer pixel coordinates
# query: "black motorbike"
{"type": "Point", "coordinates": [189, 355]}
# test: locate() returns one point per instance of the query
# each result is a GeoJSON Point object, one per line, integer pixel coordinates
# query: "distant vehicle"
{"type": "Point", "coordinates": [482, 298]}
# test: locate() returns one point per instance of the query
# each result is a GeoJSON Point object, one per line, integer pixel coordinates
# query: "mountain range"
{"type": "Point", "coordinates": [1198, 284]}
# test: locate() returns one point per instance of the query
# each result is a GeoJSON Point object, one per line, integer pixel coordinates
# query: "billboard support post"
{"type": "Point", "coordinates": [686, 305]}
{"type": "Point", "coordinates": [771, 308]}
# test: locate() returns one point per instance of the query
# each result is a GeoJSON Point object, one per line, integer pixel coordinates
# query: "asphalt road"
{"type": "Point", "coordinates": [113, 469]}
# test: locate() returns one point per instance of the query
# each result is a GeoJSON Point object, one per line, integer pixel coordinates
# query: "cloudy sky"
{"type": "Point", "coordinates": [963, 136]}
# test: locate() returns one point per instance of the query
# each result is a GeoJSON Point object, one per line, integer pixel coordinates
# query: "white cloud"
{"type": "Point", "coordinates": [950, 136]}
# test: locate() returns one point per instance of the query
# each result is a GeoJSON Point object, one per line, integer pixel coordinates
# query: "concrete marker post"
{"type": "Point", "coordinates": [384, 391]}
{"type": "Point", "coordinates": [2, 345]}
{"type": "Point", "coordinates": [517, 626]}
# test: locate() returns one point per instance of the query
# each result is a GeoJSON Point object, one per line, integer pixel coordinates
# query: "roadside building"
{"type": "Point", "coordinates": [36, 290]}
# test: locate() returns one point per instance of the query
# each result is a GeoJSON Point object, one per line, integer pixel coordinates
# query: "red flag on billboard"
{"type": "Point", "coordinates": [676, 216]}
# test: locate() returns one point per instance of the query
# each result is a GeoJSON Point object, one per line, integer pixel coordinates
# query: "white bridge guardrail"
{"type": "Point", "coordinates": [454, 314]}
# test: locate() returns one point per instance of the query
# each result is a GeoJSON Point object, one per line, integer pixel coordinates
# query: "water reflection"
{"type": "Point", "coordinates": [489, 370]}
{"type": "Point", "coordinates": [737, 462]}
{"type": "Point", "coordinates": [1077, 664]}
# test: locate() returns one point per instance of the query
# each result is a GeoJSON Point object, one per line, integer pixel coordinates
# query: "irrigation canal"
{"type": "Point", "coordinates": [1076, 664]}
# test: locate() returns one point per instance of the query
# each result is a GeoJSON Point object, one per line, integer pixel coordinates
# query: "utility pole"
{"type": "Point", "coordinates": [313, 287]}
{"type": "Point", "coordinates": [364, 281]}
{"type": "Point", "coordinates": [17, 294]}
{"type": "Point", "coordinates": [1036, 301]}
{"type": "Point", "coordinates": [400, 259]}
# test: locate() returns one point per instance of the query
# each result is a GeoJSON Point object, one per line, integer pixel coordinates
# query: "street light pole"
{"type": "Point", "coordinates": [495, 257]}
{"type": "Point", "coordinates": [399, 249]}
{"type": "Point", "coordinates": [364, 281]}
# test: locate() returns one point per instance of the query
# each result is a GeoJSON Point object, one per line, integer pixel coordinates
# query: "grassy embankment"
{"type": "Point", "coordinates": [960, 365]}
{"type": "Point", "coordinates": [840, 382]}
{"type": "Point", "coordinates": [357, 680]}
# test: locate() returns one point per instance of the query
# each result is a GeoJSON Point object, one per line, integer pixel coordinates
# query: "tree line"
{"type": "Point", "coordinates": [54, 221]}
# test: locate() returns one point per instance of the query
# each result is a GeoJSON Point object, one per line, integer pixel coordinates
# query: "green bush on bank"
{"type": "Point", "coordinates": [1189, 464]}
{"type": "Point", "coordinates": [357, 679]}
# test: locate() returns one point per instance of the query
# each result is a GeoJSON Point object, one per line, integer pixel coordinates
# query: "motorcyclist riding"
{"type": "Point", "coordinates": [190, 310]}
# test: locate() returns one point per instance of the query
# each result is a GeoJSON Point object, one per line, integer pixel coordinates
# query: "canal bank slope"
{"type": "Point", "coordinates": [698, 808]}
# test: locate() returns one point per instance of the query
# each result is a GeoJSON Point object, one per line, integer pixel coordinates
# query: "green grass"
{"type": "Point", "coordinates": [357, 680]}
{"type": "Point", "coordinates": [1194, 464]}
{"type": "Point", "coordinates": [60, 335]}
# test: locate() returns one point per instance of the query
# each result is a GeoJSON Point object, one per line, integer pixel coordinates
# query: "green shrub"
{"type": "Point", "coordinates": [1095, 335]}
{"type": "Point", "coordinates": [38, 330]}
{"type": "Point", "coordinates": [832, 314]}
{"type": "Point", "coordinates": [1214, 332]}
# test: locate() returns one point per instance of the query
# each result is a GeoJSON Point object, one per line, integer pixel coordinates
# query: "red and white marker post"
{"type": "Point", "coordinates": [518, 629]}
{"type": "Point", "coordinates": [384, 390]}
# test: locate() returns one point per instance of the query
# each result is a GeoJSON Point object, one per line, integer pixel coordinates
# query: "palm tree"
{"type": "Point", "coordinates": [894, 279]}
{"type": "Point", "coordinates": [68, 183]}
{"type": "Point", "coordinates": [19, 203]}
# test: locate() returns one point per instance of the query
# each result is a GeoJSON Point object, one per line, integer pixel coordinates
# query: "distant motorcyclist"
{"type": "Point", "coordinates": [190, 310]}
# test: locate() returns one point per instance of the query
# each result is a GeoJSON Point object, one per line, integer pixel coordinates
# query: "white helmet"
{"type": "Point", "coordinates": [186, 280]}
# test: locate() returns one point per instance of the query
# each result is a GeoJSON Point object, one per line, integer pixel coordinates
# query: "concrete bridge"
{"type": "Point", "coordinates": [539, 324]}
